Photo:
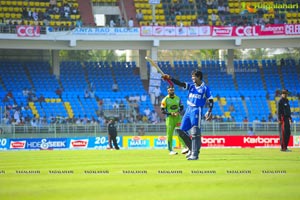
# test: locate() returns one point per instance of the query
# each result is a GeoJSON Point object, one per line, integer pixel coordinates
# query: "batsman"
{"type": "Point", "coordinates": [198, 94]}
{"type": "Point", "coordinates": [172, 106]}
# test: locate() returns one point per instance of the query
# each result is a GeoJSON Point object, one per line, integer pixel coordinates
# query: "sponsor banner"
{"type": "Point", "coordinates": [240, 31]}
{"type": "Point", "coordinates": [222, 31]}
{"type": "Point", "coordinates": [292, 29]}
{"type": "Point", "coordinates": [242, 141]}
{"type": "Point", "coordinates": [146, 31]}
{"type": "Point", "coordinates": [38, 143]}
{"type": "Point", "coordinates": [78, 143]}
{"type": "Point", "coordinates": [175, 31]}
{"type": "Point", "coordinates": [297, 141]}
{"type": "Point", "coordinates": [28, 31]}
{"type": "Point", "coordinates": [181, 31]}
{"type": "Point", "coordinates": [158, 31]}
{"type": "Point", "coordinates": [141, 142]}
{"type": "Point", "coordinates": [17, 144]}
{"type": "Point", "coordinates": [161, 142]}
{"type": "Point", "coordinates": [102, 142]}
{"type": "Point", "coordinates": [137, 142]}
{"type": "Point", "coordinates": [275, 29]}
{"type": "Point", "coordinates": [4, 143]}
{"type": "Point", "coordinates": [47, 143]}
{"type": "Point", "coordinates": [204, 30]}
{"type": "Point", "coordinates": [106, 31]}
{"type": "Point", "coordinates": [169, 31]}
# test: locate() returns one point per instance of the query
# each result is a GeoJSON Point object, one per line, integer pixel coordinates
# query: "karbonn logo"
{"type": "Point", "coordinates": [213, 140]}
{"type": "Point", "coordinates": [28, 31]}
{"type": "Point", "coordinates": [246, 31]}
{"type": "Point", "coordinates": [259, 140]}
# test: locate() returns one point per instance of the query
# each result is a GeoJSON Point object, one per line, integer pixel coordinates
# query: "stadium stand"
{"type": "Point", "coordinates": [59, 16]}
{"type": "Point", "coordinates": [246, 85]}
{"type": "Point", "coordinates": [229, 90]}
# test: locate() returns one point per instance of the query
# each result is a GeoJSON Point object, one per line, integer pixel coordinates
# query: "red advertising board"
{"type": "Point", "coordinates": [242, 141]}
{"type": "Point", "coordinates": [28, 31]}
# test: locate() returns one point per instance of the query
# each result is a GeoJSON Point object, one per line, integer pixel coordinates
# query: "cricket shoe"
{"type": "Point", "coordinates": [185, 150]}
{"type": "Point", "coordinates": [286, 150]}
{"type": "Point", "coordinates": [193, 158]}
{"type": "Point", "coordinates": [189, 153]}
{"type": "Point", "coordinates": [173, 153]}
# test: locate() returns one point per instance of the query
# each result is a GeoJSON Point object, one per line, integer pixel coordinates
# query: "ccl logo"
{"type": "Point", "coordinates": [246, 31]}
{"type": "Point", "coordinates": [28, 31]}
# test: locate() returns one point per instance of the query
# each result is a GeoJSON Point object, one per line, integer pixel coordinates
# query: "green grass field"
{"type": "Point", "coordinates": [150, 174]}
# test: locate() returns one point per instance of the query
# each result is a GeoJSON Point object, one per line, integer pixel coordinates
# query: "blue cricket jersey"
{"type": "Point", "coordinates": [198, 94]}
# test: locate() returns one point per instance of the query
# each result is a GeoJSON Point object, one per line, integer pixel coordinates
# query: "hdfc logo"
{"type": "Point", "coordinates": [79, 143]}
{"type": "Point", "coordinates": [17, 144]}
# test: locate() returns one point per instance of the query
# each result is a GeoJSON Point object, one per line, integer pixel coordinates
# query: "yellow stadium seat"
{"type": "Point", "coordinates": [17, 9]}
{"type": "Point", "coordinates": [56, 17]}
{"type": "Point", "coordinates": [143, 23]}
{"type": "Point", "coordinates": [8, 3]}
{"type": "Point", "coordinates": [10, 9]}
{"type": "Point", "coordinates": [137, 5]}
{"type": "Point", "coordinates": [13, 15]}
{"type": "Point", "coordinates": [73, 17]}
{"type": "Point", "coordinates": [187, 23]}
{"type": "Point", "coordinates": [162, 23]}
{"type": "Point", "coordinates": [18, 15]}
{"type": "Point", "coordinates": [146, 17]}
{"type": "Point", "coordinates": [5, 9]}
{"type": "Point", "coordinates": [7, 15]}
{"type": "Point", "coordinates": [162, 18]}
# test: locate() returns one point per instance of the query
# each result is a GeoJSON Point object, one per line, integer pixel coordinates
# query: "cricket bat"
{"type": "Point", "coordinates": [154, 64]}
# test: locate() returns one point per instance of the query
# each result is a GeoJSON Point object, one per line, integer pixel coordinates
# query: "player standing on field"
{"type": "Point", "coordinates": [284, 120]}
{"type": "Point", "coordinates": [171, 106]}
{"type": "Point", "coordinates": [198, 94]}
{"type": "Point", "coordinates": [112, 134]}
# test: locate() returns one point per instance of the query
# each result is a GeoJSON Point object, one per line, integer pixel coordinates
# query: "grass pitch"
{"type": "Point", "coordinates": [150, 174]}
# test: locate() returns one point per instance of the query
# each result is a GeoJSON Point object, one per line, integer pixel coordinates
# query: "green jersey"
{"type": "Point", "coordinates": [171, 104]}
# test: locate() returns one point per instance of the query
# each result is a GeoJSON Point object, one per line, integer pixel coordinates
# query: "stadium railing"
{"type": "Point", "coordinates": [93, 130]}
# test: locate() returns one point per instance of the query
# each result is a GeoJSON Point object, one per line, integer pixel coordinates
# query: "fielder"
{"type": "Point", "coordinates": [198, 94]}
{"type": "Point", "coordinates": [172, 106]}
